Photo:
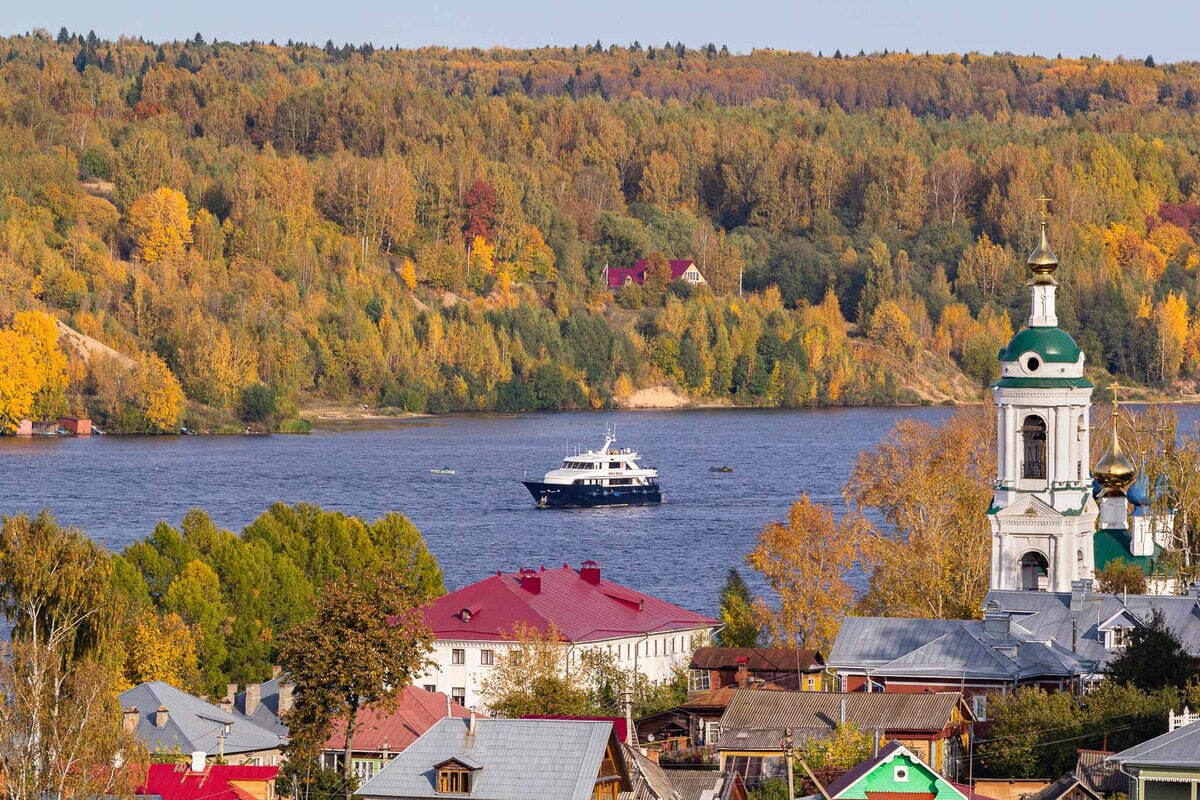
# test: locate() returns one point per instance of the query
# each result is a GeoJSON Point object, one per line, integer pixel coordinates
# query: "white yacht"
{"type": "Point", "coordinates": [610, 476]}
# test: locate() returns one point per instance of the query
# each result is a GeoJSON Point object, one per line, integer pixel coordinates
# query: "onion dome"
{"type": "Point", "coordinates": [1042, 260]}
{"type": "Point", "coordinates": [1114, 471]}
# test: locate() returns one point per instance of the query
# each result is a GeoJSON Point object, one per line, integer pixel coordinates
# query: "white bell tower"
{"type": "Point", "coordinates": [1042, 515]}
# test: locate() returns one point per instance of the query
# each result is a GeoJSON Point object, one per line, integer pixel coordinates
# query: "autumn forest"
{"type": "Point", "coordinates": [238, 230]}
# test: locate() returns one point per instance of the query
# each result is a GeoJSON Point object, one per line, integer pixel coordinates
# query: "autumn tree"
{"type": "Point", "coordinates": [366, 640]}
{"type": "Point", "coordinates": [60, 725]}
{"type": "Point", "coordinates": [49, 399]}
{"type": "Point", "coordinates": [1121, 577]}
{"type": "Point", "coordinates": [160, 225]}
{"type": "Point", "coordinates": [19, 373]}
{"type": "Point", "coordinates": [805, 562]}
{"type": "Point", "coordinates": [531, 676]}
{"type": "Point", "coordinates": [930, 484]}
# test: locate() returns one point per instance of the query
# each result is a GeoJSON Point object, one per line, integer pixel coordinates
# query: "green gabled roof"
{"type": "Point", "coordinates": [1112, 544]}
{"type": "Point", "coordinates": [1043, 383]}
{"type": "Point", "coordinates": [1052, 344]}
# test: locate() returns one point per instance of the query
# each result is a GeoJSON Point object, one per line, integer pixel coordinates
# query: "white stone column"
{"type": "Point", "coordinates": [1063, 468]}
{"type": "Point", "coordinates": [1013, 449]}
{"type": "Point", "coordinates": [1001, 450]}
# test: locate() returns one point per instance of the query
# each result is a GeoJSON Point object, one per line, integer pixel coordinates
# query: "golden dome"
{"type": "Point", "coordinates": [1042, 260]}
{"type": "Point", "coordinates": [1114, 471]}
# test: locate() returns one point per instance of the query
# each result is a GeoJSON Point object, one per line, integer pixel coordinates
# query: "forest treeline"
{"type": "Point", "coordinates": [427, 229]}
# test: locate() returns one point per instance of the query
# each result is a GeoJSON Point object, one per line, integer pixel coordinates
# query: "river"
{"type": "Point", "coordinates": [116, 488]}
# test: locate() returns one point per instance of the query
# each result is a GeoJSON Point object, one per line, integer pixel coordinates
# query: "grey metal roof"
{"type": "Point", "coordinates": [1063, 787]}
{"type": "Point", "coordinates": [520, 758]}
{"type": "Point", "coordinates": [1049, 616]}
{"type": "Point", "coordinates": [757, 718]}
{"type": "Point", "coordinates": [650, 781]}
{"type": "Point", "coordinates": [698, 784]}
{"type": "Point", "coordinates": [1179, 748]}
{"type": "Point", "coordinates": [192, 724]}
{"type": "Point", "coordinates": [961, 649]}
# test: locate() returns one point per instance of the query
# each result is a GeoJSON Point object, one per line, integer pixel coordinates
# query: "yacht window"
{"type": "Point", "coordinates": [614, 465]}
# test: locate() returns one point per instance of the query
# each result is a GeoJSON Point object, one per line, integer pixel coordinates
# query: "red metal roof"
{"type": "Point", "coordinates": [637, 273]}
{"type": "Point", "coordinates": [178, 782]}
{"type": "Point", "coordinates": [582, 611]}
{"type": "Point", "coordinates": [378, 729]}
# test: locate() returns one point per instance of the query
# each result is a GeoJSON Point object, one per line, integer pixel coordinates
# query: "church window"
{"type": "Point", "coordinates": [1032, 364]}
{"type": "Point", "coordinates": [1033, 434]}
{"type": "Point", "coordinates": [1035, 571]}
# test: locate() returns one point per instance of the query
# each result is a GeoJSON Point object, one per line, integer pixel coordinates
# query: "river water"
{"type": "Point", "coordinates": [482, 519]}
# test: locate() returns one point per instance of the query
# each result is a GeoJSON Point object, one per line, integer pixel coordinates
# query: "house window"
{"type": "Point", "coordinates": [459, 695]}
{"type": "Point", "coordinates": [1119, 638]}
{"type": "Point", "coordinates": [430, 687]}
{"type": "Point", "coordinates": [453, 780]}
{"type": "Point", "coordinates": [1033, 434]}
{"type": "Point", "coordinates": [487, 657]}
{"type": "Point", "coordinates": [698, 680]}
{"type": "Point", "coordinates": [900, 773]}
{"type": "Point", "coordinates": [458, 656]}
{"type": "Point", "coordinates": [979, 707]}
{"type": "Point", "coordinates": [364, 770]}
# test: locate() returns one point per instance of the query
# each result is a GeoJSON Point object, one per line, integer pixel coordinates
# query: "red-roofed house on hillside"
{"type": "Point", "coordinates": [473, 625]}
{"type": "Point", "coordinates": [210, 782]}
{"type": "Point", "coordinates": [380, 734]}
{"type": "Point", "coordinates": [681, 269]}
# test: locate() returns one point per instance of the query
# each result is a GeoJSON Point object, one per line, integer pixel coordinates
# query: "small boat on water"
{"type": "Point", "coordinates": [610, 476]}
{"type": "Point", "coordinates": [725, 468]}
{"type": "Point", "coordinates": [443, 471]}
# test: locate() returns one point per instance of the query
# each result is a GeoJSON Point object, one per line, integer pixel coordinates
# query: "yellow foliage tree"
{"type": "Point", "coordinates": [1172, 324]}
{"type": "Point", "coordinates": [805, 561]}
{"type": "Point", "coordinates": [162, 649]}
{"type": "Point", "coordinates": [19, 378]}
{"type": "Point", "coordinates": [50, 396]}
{"type": "Point", "coordinates": [890, 327]}
{"type": "Point", "coordinates": [160, 225]}
{"type": "Point", "coordinates": [481, 255]}
{"type": "Point", "coordinates": [408, 273]}
{"type": "Point", "coordinates": [162, 397]}
{"type": "Point", "coordinates": [929, 483]}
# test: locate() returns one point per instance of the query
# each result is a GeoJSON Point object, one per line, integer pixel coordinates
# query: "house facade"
{"type": "Point", "coordinates": [681, 270]}
{"type": "Point", "coordinates": [507, 759]}
{"type": "Point", "coordinates": [895, 773]}
{"type": "Point", "coordinates": [786, 667]}
{"type": "Point", "coordinates": [753, 731]}
{"type": "Point", "coordinates": [1166, 767]}
{"type": "Point", "coordinates": [475, 625]}
{"type": "Point", "coordinates": [380, 733]}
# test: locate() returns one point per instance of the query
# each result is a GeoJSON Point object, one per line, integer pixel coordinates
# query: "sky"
{"type": "Point", "coordinates": [1166, 29]}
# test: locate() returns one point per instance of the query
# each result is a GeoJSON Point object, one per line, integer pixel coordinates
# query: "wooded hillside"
{"type": "Point", "coordinates": [426, 229]}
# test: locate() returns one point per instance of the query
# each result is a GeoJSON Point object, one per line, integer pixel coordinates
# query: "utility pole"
{"type": "Point", "coordinates": [789, 749]}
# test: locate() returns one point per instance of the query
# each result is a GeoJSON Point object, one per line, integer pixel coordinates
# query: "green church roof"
{"type": "Point", "coordinates": [1052, 344]}
{"type": "Point", "coordinates": [1043, 383]}
{"type": "Point", "coordinates": [1112, 544]}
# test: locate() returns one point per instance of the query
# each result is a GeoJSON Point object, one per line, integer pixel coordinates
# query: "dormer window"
{"type": "Point", "coordinates": [465, 614]}
{"type": "Point", "coordinates": [455, 776]}
{"type": "Point", "coordinates": [1118, 638]}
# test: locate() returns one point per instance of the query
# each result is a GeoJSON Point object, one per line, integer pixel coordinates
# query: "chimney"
{"type": "Point", "coordinates": [198, 759]}
{"type": "Point", "coordinates": [997, 624]}
{"type": "Point", "coordinates": [161, 716]}
{"type": "Point", "coordinates": [590, 572]}
{"type": "Point", "coordinates": [231, 690]}
{"type": "Point", "coordinates": [1080, 590]}
{"type": "Point", "coordinates": [253, 698]}
{"type": "Point", "coordinates": [129, 719]}
{"type": "Point", "coordinates": [743, 671]}
{"type": "Point", "coordinates": [531, 581]}
{"type": "Point", "coordinates": [449, 706]}
{"type": "Point", "coordinates": [226, 705]}
{"type": "Point", "coordinates": [285, 698]}
{"type": "Point", "coordinates": [471, 725]}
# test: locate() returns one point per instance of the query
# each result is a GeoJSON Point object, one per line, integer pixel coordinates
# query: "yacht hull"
{"type": "Point", "coordinates": [564, 495]}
